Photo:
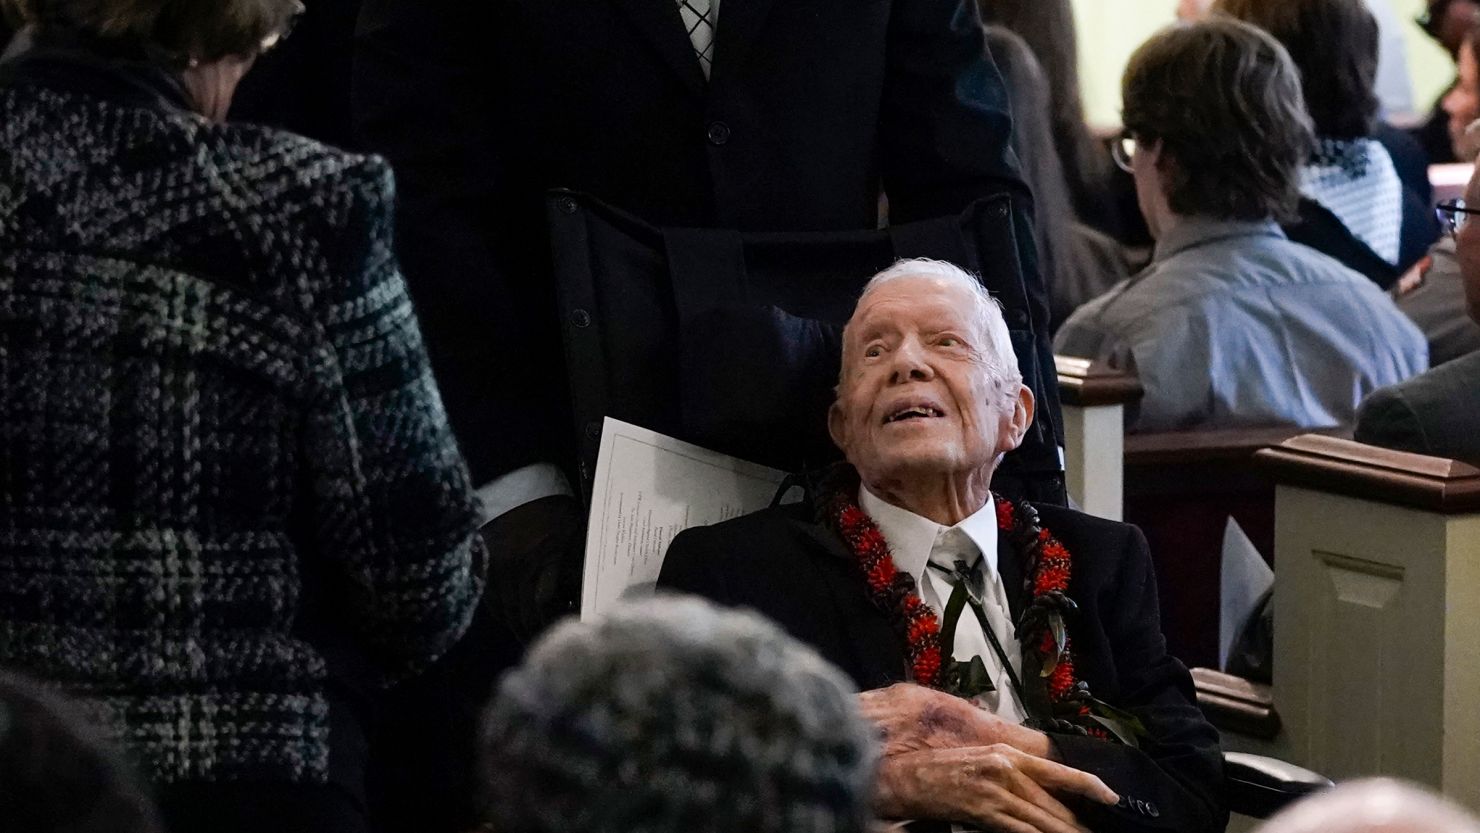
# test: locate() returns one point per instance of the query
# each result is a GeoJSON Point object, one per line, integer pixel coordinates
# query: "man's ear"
{"type": "Point", "coordinates": [837, 427]}
{"type": "Point", "coordinates": [1022, 417]}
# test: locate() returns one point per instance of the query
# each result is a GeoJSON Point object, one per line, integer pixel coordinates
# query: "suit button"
{"type": "Point", "coordinates": [718, 133]}
{"type": "Point", "coordinates": [1141, 807]}
{"type": "Point", "coordinates": [1151, 810]}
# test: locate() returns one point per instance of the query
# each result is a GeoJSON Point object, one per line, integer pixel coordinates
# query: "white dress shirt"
{"type": "Point", "coordinates": [916, 541]}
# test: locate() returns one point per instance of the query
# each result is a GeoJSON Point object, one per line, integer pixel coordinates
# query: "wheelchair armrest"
{"type": "Point", "coordinates": [1260, 786]}
{"type": "Point", "coordinates": [1236, 705]}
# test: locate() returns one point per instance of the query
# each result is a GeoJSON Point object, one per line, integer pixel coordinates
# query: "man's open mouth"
{"type": "Point", "coordinates": [914, 412]}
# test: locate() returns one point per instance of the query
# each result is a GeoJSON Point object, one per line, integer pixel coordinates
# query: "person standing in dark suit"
{"type": "Point", "coordinates": [1434, 413]}
{"type": "Point", "coordinates": [747, 114]}
{"type": "Point", "coordinates": [1013, 650]}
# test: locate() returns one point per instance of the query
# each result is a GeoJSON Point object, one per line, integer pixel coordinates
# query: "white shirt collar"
{"type": "Point", "coordinates": [911, 537]}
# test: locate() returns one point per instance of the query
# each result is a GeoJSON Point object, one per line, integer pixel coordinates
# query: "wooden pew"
{"type": "Point", "coordinates": [1094, 399]}
{"type": "Point", "coordinates": [1377, 612]}
{"type": "Point", "coordinates": [1181, 488]}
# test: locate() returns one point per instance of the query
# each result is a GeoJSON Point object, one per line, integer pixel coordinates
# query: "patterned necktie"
{"type": "Point", "coordinates": [699, 18]}
{"type": "Point", "coordinates": [955, 557]}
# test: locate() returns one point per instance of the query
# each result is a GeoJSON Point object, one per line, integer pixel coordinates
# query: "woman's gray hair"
{"type": "Point", "coordinates": [1002, 362]}
{"type": "Point", "coordinates": [671, 715]}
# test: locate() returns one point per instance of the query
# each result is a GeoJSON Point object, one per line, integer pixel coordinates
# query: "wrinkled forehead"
{"type": "Point", "coordinates": [913, 301]}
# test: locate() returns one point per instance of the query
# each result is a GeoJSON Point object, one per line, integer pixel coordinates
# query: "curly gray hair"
{"type": "Point", "coordinates": [672, 715]}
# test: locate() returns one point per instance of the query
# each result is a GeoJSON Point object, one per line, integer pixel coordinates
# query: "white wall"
{"type": "Point", "coordinates": [1110, 30]}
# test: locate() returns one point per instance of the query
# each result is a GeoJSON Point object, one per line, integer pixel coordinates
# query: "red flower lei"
{"type": "Point", "coordinates": [1051, 566]}
{"type": "Point", "coordinates": [893, 590]}
{"type": "Point", "coordinates": [1048, 568]}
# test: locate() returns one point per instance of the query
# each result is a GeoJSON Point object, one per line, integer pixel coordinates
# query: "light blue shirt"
{"type": "Point", "coordinates": [1234, 325]}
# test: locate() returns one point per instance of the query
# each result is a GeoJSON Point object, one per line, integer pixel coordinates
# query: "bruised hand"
{"type": "Point", "coordinates": [996, 787]}
{"type": "Point", "coordinates": [912, 718]}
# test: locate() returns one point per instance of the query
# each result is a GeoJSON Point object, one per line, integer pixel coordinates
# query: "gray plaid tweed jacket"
{"type": "Point", "coordinates": [217, 424]}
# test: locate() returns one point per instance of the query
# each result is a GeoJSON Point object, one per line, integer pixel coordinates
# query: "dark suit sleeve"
{"type": "Point", "coordinates": [691, 566]}
{"type": "Point", "coordinates": [945, 121]}
{"type": "Point", "coordinates": [1386, 419]}
{"type": "Point", "coordinates": [395, 511]}
{"type": "Point", "coordinates": [1174, 782]}
{"type": "Point", "coordinates": [427, 95]}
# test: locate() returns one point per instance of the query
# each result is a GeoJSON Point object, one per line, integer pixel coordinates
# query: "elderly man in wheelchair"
{"type": "Point", "coordinates": [1010, 652]}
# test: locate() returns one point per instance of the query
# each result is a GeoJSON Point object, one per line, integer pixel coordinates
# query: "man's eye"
{"type": "Point", "coordinates": [950, 341]}
{"type": "Point", "coordinates": [873, 352]}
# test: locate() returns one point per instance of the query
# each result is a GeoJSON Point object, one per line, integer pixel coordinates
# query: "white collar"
{"type": "Point", "coordinates": [911, 537]}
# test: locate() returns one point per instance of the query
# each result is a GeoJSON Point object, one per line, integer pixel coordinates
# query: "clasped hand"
{"type": "Point", "coordinates": [946, 759]}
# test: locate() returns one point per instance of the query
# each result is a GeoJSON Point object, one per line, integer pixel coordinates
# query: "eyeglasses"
{"type": "Point", "coordinates": [276, 38]}
{"type": "Point", "coordinates": [1123, 150]}
{"type": "Point", "coordinates": [1453, 215]}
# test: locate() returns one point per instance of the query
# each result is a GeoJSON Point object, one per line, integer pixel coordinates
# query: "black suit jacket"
{"type": "Point", "coordinates": [1433, 413]}
{"type": "Point", "coordinates": [813, 105]}
{"type": "Point", "coordinates": [785, 565]}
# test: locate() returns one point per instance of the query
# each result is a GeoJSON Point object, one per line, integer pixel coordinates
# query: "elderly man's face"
{"type": "Point", "coordinates": [917, 398]}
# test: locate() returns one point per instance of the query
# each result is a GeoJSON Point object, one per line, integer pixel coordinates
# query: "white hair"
{"type": "Point", "coordinates": [1001, 360]}
{"type": "Point", "coordinates": [1373, 805]}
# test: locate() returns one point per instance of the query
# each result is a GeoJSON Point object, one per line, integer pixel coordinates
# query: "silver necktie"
{"type": "Point", "coordinates": [699, 19]}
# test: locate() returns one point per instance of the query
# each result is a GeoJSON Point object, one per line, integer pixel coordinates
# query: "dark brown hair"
{"type": "Point", "coordinates": [1032, 139]}
{"type": "Point", "coordinates": [1047, 26]}
{"type": "Point", "coordinates": [177, 30]}
{"type": "Point", "coordinates": [1224, 100]}
{"type": "Point", "coordinates": [1334, 45]}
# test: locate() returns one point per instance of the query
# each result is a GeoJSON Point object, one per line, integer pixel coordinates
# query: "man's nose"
{"type": "Point", "coordinates": [910, 364]}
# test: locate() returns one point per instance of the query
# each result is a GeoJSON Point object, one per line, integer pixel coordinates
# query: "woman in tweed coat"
{"type": "Point", "coordinates": [229, 498]}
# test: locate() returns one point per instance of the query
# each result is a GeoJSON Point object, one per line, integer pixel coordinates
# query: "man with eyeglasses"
{"type": "Point", "coordinates": [1436, 304]}
{"type": "Point", "coordinates": [1233, 324]}
{"type": "Point", "coordinates": [1436, 413]}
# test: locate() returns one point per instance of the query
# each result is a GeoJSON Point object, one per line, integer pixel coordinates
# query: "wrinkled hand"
{"type": "Point", "coordinates": [912, 718]}
{"type": "Point", "coordinates": [997, 788]}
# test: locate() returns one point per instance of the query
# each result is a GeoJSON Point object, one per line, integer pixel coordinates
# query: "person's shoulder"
{"type": "Point", "coordinates": [1064, 522]}
{"type": "Point", "coordinates": [1305, 264]}
{"type": "Point", "coordinates": [1387, 418]}
{"type": "Point", "coordinates": [304, 166]}
{"type": "Point", "coordinates": [754, 548]}
{"type": "Point", "coordinates": [745, 531]}
{"type": "Point", "coordinates": [1103, 321]}
{"type": "Point", "coordinates": [1431, 413]}
{"type": "Point", "coordinates": [1101, 547]}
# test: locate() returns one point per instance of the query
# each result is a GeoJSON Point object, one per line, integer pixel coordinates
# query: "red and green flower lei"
{"type": "Point", "coordinates": [1056, 698]}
